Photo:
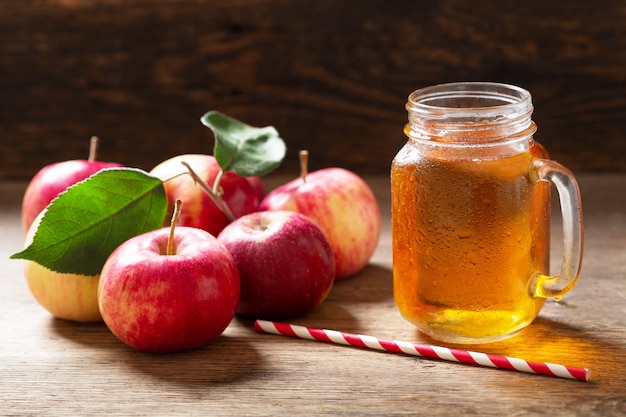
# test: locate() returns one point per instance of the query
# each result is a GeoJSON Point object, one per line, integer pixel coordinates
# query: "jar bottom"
{"type": "Point", "coordinates": [471, 327]}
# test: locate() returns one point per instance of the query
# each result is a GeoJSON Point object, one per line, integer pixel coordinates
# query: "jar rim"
{"type": "Point", "coordinates": [486, 98]}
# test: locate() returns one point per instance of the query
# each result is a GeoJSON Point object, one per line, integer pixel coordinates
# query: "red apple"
{"type": "Point", "coordinates": [199, 210]}
{"type": "Point", "coordinates": [66, 296]}
{"type": "Point", "coordinates": [285, 263]}
{"type": "Point", "coordinates": [159, 302]}
{"type": "Point", "coordinates": [342, 205]}
{"type": "Point", "coordinates": [53, 179]}
{"type": "Point", "coordinates": [257, 185]}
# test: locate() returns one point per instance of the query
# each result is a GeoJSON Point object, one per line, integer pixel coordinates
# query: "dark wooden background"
{"type": "Point", "coordinates": [331, 75]}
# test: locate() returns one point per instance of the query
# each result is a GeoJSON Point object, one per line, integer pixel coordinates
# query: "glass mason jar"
{"type": "Point", "coordinates": [470, 202]}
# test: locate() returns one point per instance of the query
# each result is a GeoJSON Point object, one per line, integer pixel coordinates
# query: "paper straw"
{"type": "Point", "coordinates": [427, 351]}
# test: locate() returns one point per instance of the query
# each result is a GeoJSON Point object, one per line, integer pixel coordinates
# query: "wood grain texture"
{"type": "Point", "coordinates": [53, 367]}
{"type": "Point", "coordinates": [332, 76]}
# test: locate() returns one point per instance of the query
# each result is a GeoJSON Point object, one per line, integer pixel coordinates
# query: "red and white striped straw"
{"type": "Point", "coordinates": [427, 351]}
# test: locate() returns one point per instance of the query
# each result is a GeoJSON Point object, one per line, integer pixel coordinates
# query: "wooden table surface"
{"type": "Point", "coordinates": [54, 367]}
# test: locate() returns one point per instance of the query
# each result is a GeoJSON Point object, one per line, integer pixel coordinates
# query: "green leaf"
{"type": "Point", "coordinates": [84, 224]}
{"type": "Point", "coordinates": [243, 149]}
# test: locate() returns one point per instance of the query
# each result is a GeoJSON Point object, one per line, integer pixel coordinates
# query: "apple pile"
{"type": "Point", "coordinates": [165, 285]}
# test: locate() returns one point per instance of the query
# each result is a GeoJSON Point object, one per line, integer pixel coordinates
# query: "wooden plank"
{"type": "Point", "coordinates": [333, 77]}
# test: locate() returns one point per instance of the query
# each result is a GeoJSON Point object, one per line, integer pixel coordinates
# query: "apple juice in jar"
{"type": "Point", "coordinates": [470, 228]}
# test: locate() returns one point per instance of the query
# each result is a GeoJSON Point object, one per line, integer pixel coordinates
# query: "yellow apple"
{"type": "Point", "coordinates": [66, 296]}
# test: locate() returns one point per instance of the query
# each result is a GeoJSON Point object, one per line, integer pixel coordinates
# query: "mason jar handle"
{"type": "Point", "coordinates": [555, 286]}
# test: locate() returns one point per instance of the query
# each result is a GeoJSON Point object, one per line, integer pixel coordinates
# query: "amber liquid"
{"type": "Point", "coordinates": [468, 234]}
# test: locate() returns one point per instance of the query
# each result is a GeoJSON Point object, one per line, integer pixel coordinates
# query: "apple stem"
{"type": "Point", "coordinates": [170, 239]}
{"type": "Point", "coordinates": [93, 149]}
{"type": "Point", "coordinates": [216, 183]}
{"type": "Point", "coordinates": [304, 164]}
{"type": "Point", "coordinates": [213, 195]}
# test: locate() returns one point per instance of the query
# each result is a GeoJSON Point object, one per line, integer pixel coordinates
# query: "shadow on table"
{"type": "Point", "coordinates": [233, 356]}
{"type": "Point", "coordinates": [373, 284]}
{"type": "Point", "coordinates": [547, 340]}
{"type": "Point", "coordinates": [229, 358]}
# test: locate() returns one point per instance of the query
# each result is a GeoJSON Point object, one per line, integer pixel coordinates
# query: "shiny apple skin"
{"type": "Point", "coordinates": [52, 180]}
{"type": "Point", "coordinates": [162, 303]}
{"type": "Point", "coordinates": [198, 209]}
{"type": "Point", "coordinates": [342, 205]}
{"type": "Point", "coordinates": [285, 263]}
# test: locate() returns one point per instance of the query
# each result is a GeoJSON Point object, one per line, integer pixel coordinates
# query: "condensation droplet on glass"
{"type": "Point", "coordinates": [464, 234]}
